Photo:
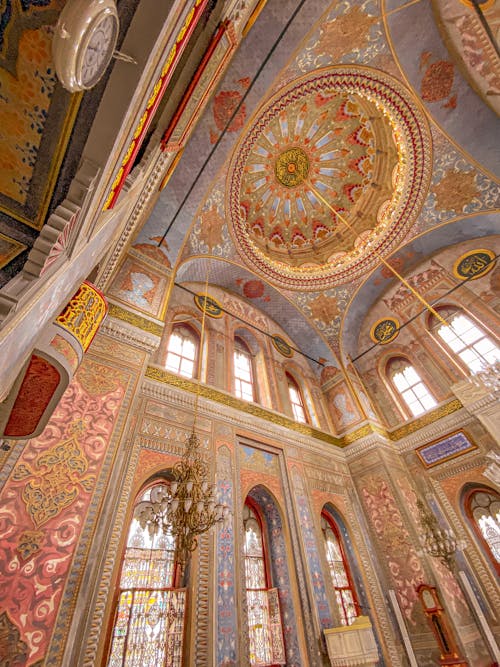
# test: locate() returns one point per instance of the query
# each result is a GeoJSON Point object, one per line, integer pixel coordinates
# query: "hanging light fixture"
{"type": "Point", "coordinates": [186, 507]}
{"type": "Point", "coordinates": [488, 375]}
{"type": "Point", "coordinates": [436, 542]}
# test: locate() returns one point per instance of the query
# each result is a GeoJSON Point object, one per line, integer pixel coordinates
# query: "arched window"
{"type": "Point", "coordinates": [148, 626]}
{"type": "Point", "coordinates": [243, 371]}
{"type": "Point", "coordinates": [296, 399]}
{"type": "Point", "coordinates": [339, 570]}
{"type": "Point", "coordinates": [465, 338]}
{"type": "Point", "coordinates": [482, 506]}
{"type": "Point", "coordinates": [410, 386]}
{"type": "Point", "coordinates": [182, 351]}
{"type": "Point", "coordinates": [264, 618]}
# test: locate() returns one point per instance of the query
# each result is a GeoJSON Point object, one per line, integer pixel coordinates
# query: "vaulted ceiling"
{"type": "Point", "coordinates": [341, 139]}
{"type": "Point", "coordinates": [355, 139]}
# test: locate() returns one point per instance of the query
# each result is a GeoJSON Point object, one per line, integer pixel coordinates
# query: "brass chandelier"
{"type": "Point", "coordinates": [187, 506]}
{"type": "Point", "coordinates": [436, 542]}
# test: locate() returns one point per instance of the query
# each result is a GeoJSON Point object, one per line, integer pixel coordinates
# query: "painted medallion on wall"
{"type": "Point", "coordinates": [384, 330]}
{"type": "Point", "coordinates": [474, 264]}
{"type": "Point", "coordinates": [282, 346]}
{"type": "Point", "coordinates": [208, 305]}
{"type": "Point", "coordinates": [344, 138]}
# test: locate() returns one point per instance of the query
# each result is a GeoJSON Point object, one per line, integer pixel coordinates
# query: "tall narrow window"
{"type": "Point", "coordinates": [410, 386]}
{"type": "Point", "coordinates": [296, 399]}
{"type": "Point", "coordinates": [182, 351]}
{"type": "Point", "coordinates": [264, 618]}
{"type": "Point", "coordinates": [466, 339]}
{"type": "Point", "coordinates": [243, 371]}
{"type": "Point", "coordinates": [148, 628]}
{"type": "Point", "coordinates": [339, 571]}
{"type": "Point", "coordinates": [483, 509]}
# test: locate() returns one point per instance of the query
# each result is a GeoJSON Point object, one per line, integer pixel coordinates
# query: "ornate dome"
{"type": "Point", "coordinates": [350, 138]}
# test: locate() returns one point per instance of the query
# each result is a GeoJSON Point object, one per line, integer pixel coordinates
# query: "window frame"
{"type": "Point", "coordinates": [257, 513]}
{"type": "Point", "coordinates": [196, 338]}
{"type": "Point", "coordinates": [467, 496]}
{"type": "Point", "coordinates": [398, 394]}
{"type": "Point", "coordinates": [118, 589]}
{"type": "Point", "coordinates": [330, 520]}
{"type": "Point", "coordinates": [244, 348]}
{"type": "Point", "coordinates": [433, 325]}
{"type": "Point", "coordinates": [291, 381]}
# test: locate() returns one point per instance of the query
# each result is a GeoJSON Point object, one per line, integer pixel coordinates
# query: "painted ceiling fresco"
{"type": "Point", "coordinates": [34, 110]}
{"type": "Point", "coordinates": [358, 140]}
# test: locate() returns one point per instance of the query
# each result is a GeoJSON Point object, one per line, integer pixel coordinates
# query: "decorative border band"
{"type": "Point", "coordinates": [134, 319]}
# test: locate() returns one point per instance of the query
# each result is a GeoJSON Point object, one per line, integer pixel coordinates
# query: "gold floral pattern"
{"type": "Point", "coordinates": [324, 308]}
{"type": "Point", "coordinates": [455, 190]}
{"type": "Point", "coordinates": [350, 28]}
{"type": "Point", "coordinates": [55, 480]}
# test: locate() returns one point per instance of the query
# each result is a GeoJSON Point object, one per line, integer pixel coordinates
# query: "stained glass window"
{"type": "Point", "coordinates": [339, 571]}
{"type": "Point", "coordinates": [264, 618]}
{"type": "Point", "coordinates": [467, 340]}
{"type": "Point", "coordinates": [410, 386]}
{"type": "Point", "coordinates": [483, 506]}
{"type": "Point", "coordinates": [182, 351]}
{"type": "Point", "coordinates": [243, 372]}
{"type": "Point", "coordinates": [149, 621]}
{"type": "Point", "coordinates": [296, 399]}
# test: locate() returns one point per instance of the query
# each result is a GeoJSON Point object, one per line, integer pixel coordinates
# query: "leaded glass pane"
{"type": "Point", "coordinates": [149, 621]}
{"type": "Point", "coordinates": [339, 574]}
{"type": "Point", "coordinates": [473, 346]}
{"type": "Point", "coordinates": [485, 509]}
{"type": "Point", "coordinates": [264, 619]}
{"type": "Point", "coordinates": [182, 348]}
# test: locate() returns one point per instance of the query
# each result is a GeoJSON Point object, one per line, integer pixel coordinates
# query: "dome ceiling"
{"type": "Point", "coordinates": [350, 138]}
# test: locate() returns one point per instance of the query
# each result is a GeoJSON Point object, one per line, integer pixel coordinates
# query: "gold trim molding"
{"type": "Point", "coordinates": [160, 375]}
{"type": "Point", "coordinates": [136, 320]}
{"type": "Point", "coordinates": [425, 420]}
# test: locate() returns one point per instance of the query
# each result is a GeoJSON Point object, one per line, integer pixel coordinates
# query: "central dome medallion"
{"type": "Point", "coordinates": [291, 167]}
{"type": "Point", "coordinates": [347, 139]}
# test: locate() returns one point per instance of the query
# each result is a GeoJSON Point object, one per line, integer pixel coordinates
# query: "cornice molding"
{"type": "Point", "coordinates": [152, 178]}
{"type": "Point", "coordinates": [239, 412]}
{"type": "Point", "coordinates": [136, 320]}
{"type": "Point", "coordinates": [128, 332]}
{"type": "Point", "coordinates": [429, 418]}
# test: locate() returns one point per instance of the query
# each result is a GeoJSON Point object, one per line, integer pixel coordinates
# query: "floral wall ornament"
{"type": "Point", "coordinates": [13, 651]}
{"type": "Point", "coordinates": [54, 481]}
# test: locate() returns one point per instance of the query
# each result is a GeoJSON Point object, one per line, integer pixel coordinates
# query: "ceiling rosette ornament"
{"type": "Point", "coordinates": [352, 136]}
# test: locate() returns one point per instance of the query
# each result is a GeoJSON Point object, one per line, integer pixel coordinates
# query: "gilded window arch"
{"type": "Point", "coordinates": [149, 616]}
{"type": "Point", "coordinates": [409, 386]}
{"type": "Point", "coordinates": [482, 509]}
{"type": "Point", "coordinates": [465, 338]}
{"type": "Point", "coordinates": [339, 568]}
{"type": "Point", "coordinates": [183, 349]}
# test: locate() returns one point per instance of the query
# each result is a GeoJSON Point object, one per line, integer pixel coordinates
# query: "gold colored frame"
{"type": "Point", "coordinates": [426, 465]}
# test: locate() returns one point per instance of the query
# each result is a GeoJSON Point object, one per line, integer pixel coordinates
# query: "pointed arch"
{"type": "Point", "coordinates": [481, 505]}
{"type": "Point", "coordinates": [149, 618]}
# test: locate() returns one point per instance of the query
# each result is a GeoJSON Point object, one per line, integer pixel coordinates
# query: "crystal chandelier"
{"type": "Point", "coordinates": [435, 541]}
{"type": "Point", "coordinates": [488, 375]}
{"type": "Point", "coordinates": [185, 508]}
